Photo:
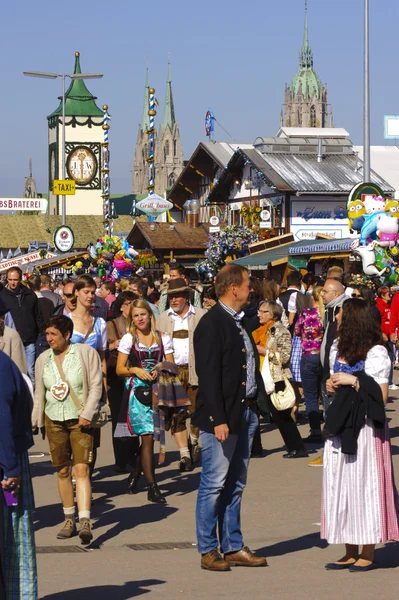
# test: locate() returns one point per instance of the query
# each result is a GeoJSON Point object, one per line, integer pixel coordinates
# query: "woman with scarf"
{"type": "Point", "coordinates": [273, 339]}
{"type": "Point", "coordinates": [360, 505]}
{"type": "Point", "coordinates": [139, 351]}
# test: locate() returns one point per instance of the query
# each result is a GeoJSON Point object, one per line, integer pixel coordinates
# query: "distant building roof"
{"type": "Point", "coordinates": [167, 236]}
{"type": "Point", "coordinates": [312, 132]}
{"type": "Point", "coordinates": [334, 174]}
{"type": "Point", "coordinates": [19, 230]}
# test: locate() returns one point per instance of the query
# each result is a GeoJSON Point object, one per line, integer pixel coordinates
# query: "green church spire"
{"type": "Point", "coordinates": [79, 102]}
{"type": "Point", "coordinates": [169, 110]}
{"type": "Point", "coordinates": [306, 81]}
{"type": "Point", "coordinates": [306, 55]}
{"type": "Point", "coordinates": [145, 119]}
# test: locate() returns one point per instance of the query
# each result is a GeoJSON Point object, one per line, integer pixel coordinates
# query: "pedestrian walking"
{"type": "Point", "coordinates": [10, 341]}
{"type": "Point", "coordinates": [68, 391]}
{"type": "Point", "coordinates": [124, 449]}
{"type": "Point", "coordinates": [274, 341]}
{"type": "Point", "coordinates": [309, 328]}
{"type": "Point", "coordinates": [26, 314]}
{"type": "Point", "coordinates": [229, 383]}
{"type": "Point", "coordinates": [139, 351]}
{"type": "Point", "coordinates": [18, 570]}
{"type": "Point", "coordinates": [179, 322]}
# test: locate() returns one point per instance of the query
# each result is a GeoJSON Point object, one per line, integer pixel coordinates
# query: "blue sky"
{"type": "Point", "coordinates": [232, 56]}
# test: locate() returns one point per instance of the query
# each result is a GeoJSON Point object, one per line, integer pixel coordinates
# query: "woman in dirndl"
{"type": "Point", "coordinates": [360, 503]}
{"type": "Point", "coordinates": [18, 571]}
{"type": "Point", "coordinates": [142, 348]}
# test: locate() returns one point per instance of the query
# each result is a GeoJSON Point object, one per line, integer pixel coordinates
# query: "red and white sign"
{"type": "Point", "coordinates": [154, 205]}
{"type": "Point", "coordinates": [9, 204]}
{"type": "Point", "coordinates": [23, 259]}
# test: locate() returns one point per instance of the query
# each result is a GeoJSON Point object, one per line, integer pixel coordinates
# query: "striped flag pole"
{"type": "Point", "coordinates": [105, 173]}
{"type": "Point", "coordinates": [151, 142]}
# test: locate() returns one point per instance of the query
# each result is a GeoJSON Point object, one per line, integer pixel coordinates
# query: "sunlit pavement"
{"type": "Point", "coordinates": [141, 548]}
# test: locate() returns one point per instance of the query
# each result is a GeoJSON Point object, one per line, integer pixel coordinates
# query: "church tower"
{"type": "Point", "coordinates": [168, 159]}
{"type": "Point", "coordinates": [83, 137]}
{"type": "Point", "coordinates": [140, 168]}
{"type": "Point", "coordinates": [306, 99]}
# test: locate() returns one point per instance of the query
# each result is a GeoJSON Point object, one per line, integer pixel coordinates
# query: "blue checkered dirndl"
{"type": "Point", "coordinates": [20, 553]}
{"type": "Point", "coordinates": [296, 354]}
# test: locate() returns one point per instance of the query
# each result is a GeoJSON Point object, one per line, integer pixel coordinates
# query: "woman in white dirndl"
{"type": "Point", "coordinates": [360, 503]}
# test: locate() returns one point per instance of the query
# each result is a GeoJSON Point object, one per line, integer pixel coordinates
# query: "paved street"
{"type": "Point", "coordinates": [150, 549]}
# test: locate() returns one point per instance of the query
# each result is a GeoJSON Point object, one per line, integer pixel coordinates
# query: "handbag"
{"type": "Point", "coordinates": [286, 398]}
{"type": "Point", "coordinates": [266, 375]}
{"type": "Point", "coordinates": [100, 418]}
{"type": "Point", "coordinates": [143, 394]}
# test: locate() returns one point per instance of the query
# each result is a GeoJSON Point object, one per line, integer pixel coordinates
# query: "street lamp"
{"type": "Point", "coordinates": [42, 75]}
{"type": "Point", "coordinates": [366, 132]}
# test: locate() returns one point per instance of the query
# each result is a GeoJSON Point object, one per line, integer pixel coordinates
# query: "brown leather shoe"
{"type": "Point", "coordinates": [245, 558]}
{"type": "Point", "coordinates": [213, 561]}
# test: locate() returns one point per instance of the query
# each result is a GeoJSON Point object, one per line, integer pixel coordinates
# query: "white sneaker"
{"type": "Point", "coordinates": [393, 387]}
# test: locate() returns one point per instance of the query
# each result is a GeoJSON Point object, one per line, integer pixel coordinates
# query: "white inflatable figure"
{"type": "Point", "coordinates": [367, 255]}
{"type": "Point", "coordinates": [374, 208]}
{"type": "Point", "coordinates": [387, 231]}
{"type": "Point", "coordinates": [132, 252]}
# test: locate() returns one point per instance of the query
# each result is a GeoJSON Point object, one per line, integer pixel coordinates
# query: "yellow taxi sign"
{"type": "Point", "coordinates": [64, 187]}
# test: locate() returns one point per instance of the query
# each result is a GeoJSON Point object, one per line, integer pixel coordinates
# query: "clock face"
{"type": "Point", "coordinates": [82, 165]}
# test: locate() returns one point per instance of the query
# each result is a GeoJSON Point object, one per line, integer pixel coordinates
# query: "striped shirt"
{"type": "Point", "coordinates": [251, 387]}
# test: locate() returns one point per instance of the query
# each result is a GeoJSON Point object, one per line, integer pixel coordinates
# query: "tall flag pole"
{"type": "Point", "coordinates": [151, 144]}
{"type": "Point", "coordinates": [105, 172]}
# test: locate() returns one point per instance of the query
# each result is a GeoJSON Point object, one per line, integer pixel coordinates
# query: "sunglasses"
{"type": "Point", "coordinates": [69, 295]}
{"type": "Point", "coordinates": [356, 296]}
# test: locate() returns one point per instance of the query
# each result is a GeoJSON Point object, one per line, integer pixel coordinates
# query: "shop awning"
{"type": "Point", "coordinates": [295, 253]}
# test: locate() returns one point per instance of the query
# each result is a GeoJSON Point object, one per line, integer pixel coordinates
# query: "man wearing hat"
{"type": "Point", "coordinates": [180, 322]}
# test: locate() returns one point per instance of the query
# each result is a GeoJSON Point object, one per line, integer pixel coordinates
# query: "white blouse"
{"type": "Point", "coordinates": [126, 343]}
{"type": "Point", "coordinates": [377, 364]}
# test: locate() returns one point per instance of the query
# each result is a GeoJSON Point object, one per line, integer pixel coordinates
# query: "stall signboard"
{"type": "Point", "coordinates": [23, 259]}
{"type": "Point", "coordinates": [30, 204]}
{"type": "Point", "coordinates": [64, 239]}
{"type": "Point", "coordinates": [322, 247]}
{"type": "Point", "coordinates": [154, 205]}
{"type": "Point", "coordinates": [309, 218]}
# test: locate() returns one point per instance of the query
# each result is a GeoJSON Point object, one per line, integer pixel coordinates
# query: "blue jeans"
{"type": "Point", "coordinates": [311, 380]}
{"type": "Point", "coordinates": [30, 353]}
{"type": "Point", "coordinates": [223, 479]}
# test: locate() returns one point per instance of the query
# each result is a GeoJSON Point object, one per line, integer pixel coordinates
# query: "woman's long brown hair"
{"type": "Point", "coordinates": [358, 332]}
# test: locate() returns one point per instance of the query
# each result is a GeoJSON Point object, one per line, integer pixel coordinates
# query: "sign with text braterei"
{"type": "Point", "coordinates": [64, 187]}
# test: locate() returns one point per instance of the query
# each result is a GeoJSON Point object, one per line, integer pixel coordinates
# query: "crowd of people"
{"type": "Point", "coordinates": [205, 363]}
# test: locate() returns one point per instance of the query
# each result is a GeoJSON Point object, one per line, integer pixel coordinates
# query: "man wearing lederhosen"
{"type": "Point", "coordinates": [180, 322]}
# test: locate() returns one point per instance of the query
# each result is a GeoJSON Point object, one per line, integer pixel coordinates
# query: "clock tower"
{"type": "Point", "coordinates": [83, 137]}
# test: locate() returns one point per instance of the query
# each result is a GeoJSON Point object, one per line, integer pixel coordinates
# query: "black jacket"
{"type": "Point", "coordinates": [349, 410]}
{"type": "Point", "coordinates": [221, 368]}
{"type": "Point", "coordinates": [25, 311]}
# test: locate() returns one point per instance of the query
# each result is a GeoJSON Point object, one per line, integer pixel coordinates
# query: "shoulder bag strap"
{"type": "Point", "coordinates": [74, 397]}
{"type": "Point", "coordinates": [90, 331]}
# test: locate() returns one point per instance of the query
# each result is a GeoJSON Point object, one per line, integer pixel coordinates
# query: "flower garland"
{"type": "Point", "coordinates": [230, 243]}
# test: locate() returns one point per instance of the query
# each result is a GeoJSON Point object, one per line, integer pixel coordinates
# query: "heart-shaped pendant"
{"type": "Point", "coordinates": [60, 391]}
